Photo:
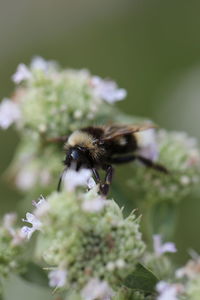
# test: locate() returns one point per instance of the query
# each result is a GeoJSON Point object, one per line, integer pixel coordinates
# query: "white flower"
{"type": "Point", "coordinates": [57, 278]}
{"type": "Point", "coordinates": [93, 205]}
{"type": "Point", "coordinates": [110, 266]}
{"type": "Point", "coordinates": [21, 74]}
{"type": "Point", "coordinates": [148, 146]}
{"type": "Point", "coordinates": [30, 218]}
{"type": "Point", "coordinates": [41, 201]}
{"type": "Point", "coordinates": [78, 114]}
{"type": "Point", "coordinates": [27, 232]}
{"type": "Point", "coordinates": [18, 237]}
{"type": "Point", "coordinates": [26, 179]}
{"type": "Point", "coordinates": [9, 113]}
{"type": "Point", "coordinates": [42, 206]}
{"type": "Point", "coordinates": [120, 263]}
{"type": "Point", "coordinates": [39, 63]}
{"type": "Point", "coordinates": [168, 291]}
{"type": "Point", "coordinates": [184, 180]}
{"type": "Point", "coordinates": [9, 220]}
{"type": "Point", "coordinates": [160, 248]}
{"type": "Point", "coordinates": [33, 220]}
{"type": "Point", "coordinates": [193, 158]}
{"type": "Point", "coordinates": [72, 178]}
{"type": "Point", "coordinates": [190, 270]}
{"type": "Point", "coordinates": [96, 289]}
{"type": "Point", "coordinates": [45, 177]}
{"type": "Point", "coordinates": [107, 90]}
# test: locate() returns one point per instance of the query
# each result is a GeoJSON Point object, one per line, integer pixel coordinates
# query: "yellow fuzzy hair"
{"type": "Point", "coordinates": [80, 138]}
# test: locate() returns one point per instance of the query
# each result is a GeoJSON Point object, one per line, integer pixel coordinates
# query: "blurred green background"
{"type": "Point", "coordinates": [151, 48]}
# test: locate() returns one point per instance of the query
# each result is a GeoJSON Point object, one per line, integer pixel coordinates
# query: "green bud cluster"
{"type": "Point", "coordinates": [11, 248]}
{"type": "Point", "coordinates": [180, 154]}
{"type": "Point", "coordinates": [192, 289]}
{"type": "Point", "coordinates": [36, 168]}
{"type": "Point", "coordinates": [128, 294]}
{"type": "Point", "coordinates": [89, 245]}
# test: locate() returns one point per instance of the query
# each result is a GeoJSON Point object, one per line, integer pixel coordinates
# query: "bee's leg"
{"type": "Point", "coordinates": [150, 164]}
{"type": "Point", "coordinates": [122, 159]}
{"type": "Point", "coordinates": [96, 175]}
{"type": "Point", "coordinates": [104, 187]}
{"type": "Point", "coordinates": [147, 162]}
{"type": "Point", "coordinates": [59, 183]}
{"type": "Point", "coordinates": [58, 139]}
{"type": "Point", "coordinates": [60, 180]}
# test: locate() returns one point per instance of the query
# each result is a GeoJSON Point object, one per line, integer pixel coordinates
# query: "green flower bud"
{"type": "Point", "coordinates": [11, 246]}
{"type": "Point", "coordinates": [128, 294]}
{"type": "Point", "coordinates": [192, 290]}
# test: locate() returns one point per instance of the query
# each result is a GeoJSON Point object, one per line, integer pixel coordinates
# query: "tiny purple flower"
{"type": "Point", "coordinates": [9, 113]}
{"type": "Point", "coordinates": [96, 289]}
{"type": "Point", "coordinates": [41, 201]}
{"type": "Point", "coordinates": [160, 248]}
{"type": "Point", "coordinates": [57, 278]}
{"type": "Point", "coordinates": [42, 206]}
{"type": "Point", "coordinates": [21, 74]}
{"type": "Point", "coordinates": [36, 225]}
{"type": "Point", "coordinates": [168, 291]}
{"type": "Point", "coordinates": [27, 232]}
{"type": "Point", "coordinates": [107, 90]}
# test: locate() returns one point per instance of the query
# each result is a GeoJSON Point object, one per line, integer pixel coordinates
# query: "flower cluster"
{"type": "Point", "coordinates": [186, 283]}
{"type": "Point", "coordinates": [34, 167]}
{"type": "Point", "coordinates": [99, 244]}
{"type": "Point", "coordinates": [85, 239]}
{"type": "Point", "coordinates": [180, 154]}
{"type": "Point", "coordinates": [53, 102]}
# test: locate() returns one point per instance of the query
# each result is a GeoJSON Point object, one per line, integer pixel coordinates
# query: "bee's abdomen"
{"type": "Point", "coordinates": [123, 144]}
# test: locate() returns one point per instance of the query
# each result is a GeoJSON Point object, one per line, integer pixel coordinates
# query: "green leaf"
{"type": "Point", "coordinates": [35, 274]}
{"type": "Point", "coordinates": [141, 279]}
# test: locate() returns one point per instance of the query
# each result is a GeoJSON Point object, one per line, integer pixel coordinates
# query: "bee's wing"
{"type": "Point", "coordinates": [113, 131]}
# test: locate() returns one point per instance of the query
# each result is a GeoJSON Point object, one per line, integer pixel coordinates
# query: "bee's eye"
{"type": "Point", "coordinates": [75, 154]}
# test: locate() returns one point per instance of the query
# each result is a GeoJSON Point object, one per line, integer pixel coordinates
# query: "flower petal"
{"type": "Point", "coordinates": [9, 113]}
{"type": "Point", "coordinates": [22, 73]}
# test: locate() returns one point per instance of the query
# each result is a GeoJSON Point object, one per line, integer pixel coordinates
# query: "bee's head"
{"type": "Point", "coordinates": [76, 156]}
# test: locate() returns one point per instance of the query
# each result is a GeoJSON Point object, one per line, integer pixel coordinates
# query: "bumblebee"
{"type": "Point", "coordinates": [101, 147]}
